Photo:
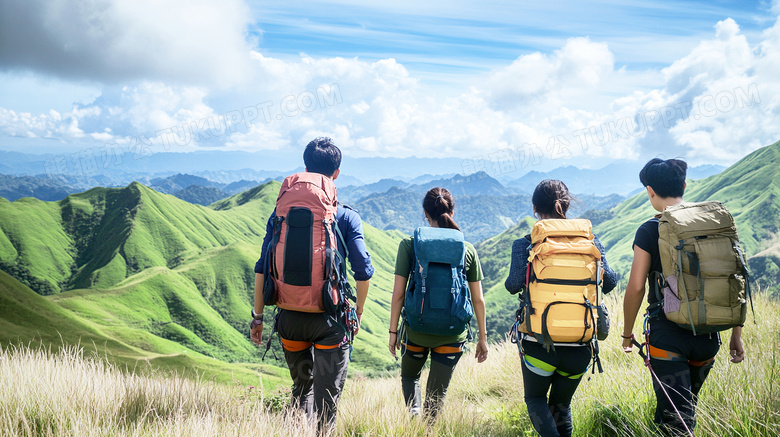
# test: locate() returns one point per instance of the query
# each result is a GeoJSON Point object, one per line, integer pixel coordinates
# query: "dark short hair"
{"type": "Point", "coordinates": [551, 198]}
{"type": "Point", "coordinates": [322, 156]}
{"type": "Point", "coordinates": [667, 177]}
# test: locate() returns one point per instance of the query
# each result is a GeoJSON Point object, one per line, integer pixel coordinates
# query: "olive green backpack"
{"type": "Point", "coordinates": [705, 283]}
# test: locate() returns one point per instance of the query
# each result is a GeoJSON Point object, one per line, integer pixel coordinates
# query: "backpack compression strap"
{"type": "Point", "coordinates": [681, 284]}
{"type": "Point", "coordinates": [547, 339]}
{"type": "Point", "coordinates": [527, 302]}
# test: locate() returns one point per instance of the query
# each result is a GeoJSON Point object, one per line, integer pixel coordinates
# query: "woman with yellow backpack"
{"type": "Point", "coordinates": [558, 269]}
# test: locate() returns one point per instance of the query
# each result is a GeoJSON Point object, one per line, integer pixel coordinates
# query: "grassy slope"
{"type": "Point", "coordinates": [151, 269]}
{"type": "Point", "coordinates": [33, 244]}
{"type": "Point", "coordinates": [495, 254]}
{"type": "Point", "coordinates": [28, 318]}
{"type": "Point", "coordinates": [70, 394]}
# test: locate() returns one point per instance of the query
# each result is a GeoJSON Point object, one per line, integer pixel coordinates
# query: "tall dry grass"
{"type": "Point", "coordinates": [68, 394]}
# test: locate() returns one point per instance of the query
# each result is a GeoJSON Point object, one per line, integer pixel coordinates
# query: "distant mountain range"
{"type": "Point", "coordinates": [620, 177]}
{"type": "Point", "coordinates": [43, 188]}
{"type": "Point", "coordinates": [483, 206]}
{"type": "Point", "coordinates": [230, 166]}
{"type": "Point", "coordinates": [221, 166]}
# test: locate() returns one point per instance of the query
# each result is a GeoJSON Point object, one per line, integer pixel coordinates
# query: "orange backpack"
{"type": "Point", "coordinates": [304, 269]}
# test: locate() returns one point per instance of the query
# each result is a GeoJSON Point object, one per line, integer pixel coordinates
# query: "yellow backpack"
{"type": "Point", "coordinates": [563, 276]}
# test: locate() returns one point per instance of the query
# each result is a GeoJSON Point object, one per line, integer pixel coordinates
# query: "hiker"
{"type": "Point", "coordinates": [315, 337]}
{"type": "Point", "coordinates": [557, 367]}
{"type": "Point", "coordinates": [439, 255]}
{"type": "Point", "coordinates": [678, 357]}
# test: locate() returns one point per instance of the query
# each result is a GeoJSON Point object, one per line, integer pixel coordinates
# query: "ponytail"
{"type": "Point", "coordinates": [551, 198]}
{"type": "Point", "coordinates": [559, 209]}
{"type": "Point", "coordinates": [439, 205]}
{"type": "Point", "coordinates": [445, 221]}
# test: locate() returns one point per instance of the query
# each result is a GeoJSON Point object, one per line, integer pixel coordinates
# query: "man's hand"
{"type": "Point", "coordinates": [256, 331]}
{"type": "Point", "coordinates": [256, 326]}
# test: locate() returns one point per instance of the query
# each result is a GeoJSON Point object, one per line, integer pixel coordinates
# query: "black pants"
{"type": "Point", "coordinates": [443, 361]}
{"type": "Point", "coordinates": [682, 362]}
{"type": "Point", "coordinates": [558, 372]}
{"type": "Point", "coordinates": [317, 355]}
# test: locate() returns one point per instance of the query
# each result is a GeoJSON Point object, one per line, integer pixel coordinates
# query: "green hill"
{"type": "Point", "coordinates": [31, 319]}
{"type": "Point", "coordinates": [150, 270]}
{"type": "Point", "coordinates": [495, 255]}
{"type": "Point", "coordinates": [100, 237]}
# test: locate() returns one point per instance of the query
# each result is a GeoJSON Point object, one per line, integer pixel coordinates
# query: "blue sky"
{"type": "Point", "coordinates": [439, 38]}
{"type": "Point", "coordinates": [462, 79]}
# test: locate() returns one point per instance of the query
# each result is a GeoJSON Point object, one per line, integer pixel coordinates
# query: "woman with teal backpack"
{"type": "Point", "coordinates": [444, 290]}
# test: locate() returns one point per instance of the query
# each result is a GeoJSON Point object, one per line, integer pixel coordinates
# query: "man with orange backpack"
{"type": "Point", "coordinates": [302, 270]}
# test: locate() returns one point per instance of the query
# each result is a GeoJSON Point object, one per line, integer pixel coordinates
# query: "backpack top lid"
{"type": "Point", "coordinates": [693, 219]}
{"type": "Point", "coordinates": [439, 245]}
{"type": "Point", "coordinates": [318, 184]}
{"type": "Point", "coordinates": [561, 228]}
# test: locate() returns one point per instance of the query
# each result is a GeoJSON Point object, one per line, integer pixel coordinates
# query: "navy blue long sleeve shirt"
{"type": "Point", "coordinates": [351, 227]}
{"type": "Point", "coordinates": [515, 283]}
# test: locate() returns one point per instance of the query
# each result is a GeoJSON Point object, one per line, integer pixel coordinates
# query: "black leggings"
{"type": "Point", "coordinates": [559, 372]}
{"type": "Point", "coordinates": [443, 361]}
{"type": "Point", "coordinates": [682, 362]}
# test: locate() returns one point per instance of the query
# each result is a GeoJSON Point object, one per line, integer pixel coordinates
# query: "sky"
{"type": "Point", "coordinates": [513, 83]}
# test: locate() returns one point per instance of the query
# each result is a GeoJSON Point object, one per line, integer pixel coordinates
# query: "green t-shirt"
{"type": "Point", "coordinates": [403, 266]}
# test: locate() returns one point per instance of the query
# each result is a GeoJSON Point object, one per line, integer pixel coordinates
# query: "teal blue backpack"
{"type": "Point", "coordinates": [438, 300]}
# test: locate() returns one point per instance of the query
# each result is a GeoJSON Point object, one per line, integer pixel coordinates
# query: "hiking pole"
{"type": "Point", "coordinates": [646, 357]}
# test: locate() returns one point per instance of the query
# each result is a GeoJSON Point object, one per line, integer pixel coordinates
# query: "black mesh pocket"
{"type": "Point", "coordinates": [298, 247]}
{"type": "Point", "coordinates": [603, 322]}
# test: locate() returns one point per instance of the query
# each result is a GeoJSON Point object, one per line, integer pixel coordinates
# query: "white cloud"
{"type": "Point", "coordinates": [50, 126]}
{"type": "Point", "coordinates": [575, 95]}
{"type": "Point", "coordinates": [727, 55]}
{"type": "Point", "coordinates": [732, 93]}
{"type": "Point", "coordinates": [115, 40]}
{"type": "Point", "coordinates": [538, 79]}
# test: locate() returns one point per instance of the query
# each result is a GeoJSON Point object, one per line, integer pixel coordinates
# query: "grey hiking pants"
{"type": "Point", "coordinates": [317, 355]}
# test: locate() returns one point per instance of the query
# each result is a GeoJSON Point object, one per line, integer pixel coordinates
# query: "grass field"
{"type": "Point", "coordinates": [72, 393]}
